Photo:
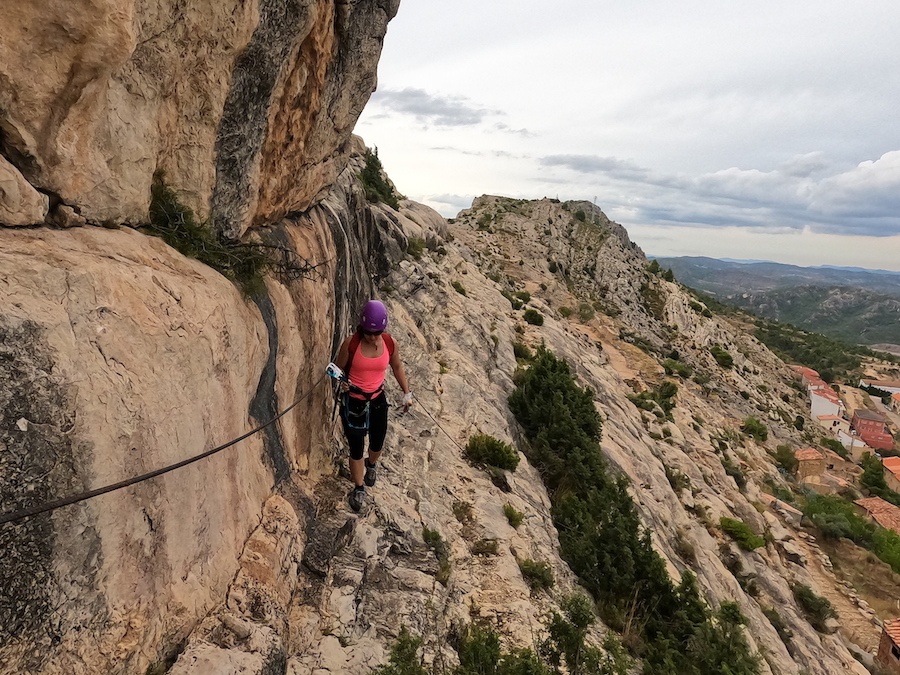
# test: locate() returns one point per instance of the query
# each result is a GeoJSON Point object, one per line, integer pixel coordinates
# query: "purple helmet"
{"type": "Point", "coordinates": [373, 317]}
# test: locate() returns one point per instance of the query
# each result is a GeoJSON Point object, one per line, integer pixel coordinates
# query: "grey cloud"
{"type": "Point", "coordinates": [461, 151]}
{"type": "Point", "coordinates": [592, 164]}
{"type": "Point", "coordinates": [798, 195]}
{"type": "Point", "coordinates": [804, 166]}
{"type": "Point", "coordinates": [524, 133]}
{"type": "Point", "coordinates": [447, 111]}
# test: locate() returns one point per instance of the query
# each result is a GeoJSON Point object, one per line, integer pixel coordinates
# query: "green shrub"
{"type": "Point", "coordinates": [677, 479]}
{"type": "Point", "coordinates": [816, 608]}
{"type": "Point", "coordinates": [524, 296]}
{"type": "Point", "coordinates": [602, 539]}
{"type": "Point", "coordinates": [735, 472]}
{"type": "Point", "coordinates": [512, 515]}
{"type": "Point", "coordinates": [738, 530]}
{"type": "Point", "coordinates": [458, 287]}
{"type": "Point", "coordinates": [663, 398]}
{"type": "Point", "coordinates": [872, 479]}
{"type": "Point", "coordinates": [654, 300]}
{"type": "Point", "coordinates": [838, 519]}
{"type": "Point", "coordinates": [673, 366]}
{"type": "Point", "coordinates": [521, 351]}
{"type": "Point", "coordinates": [538, 575]}
{"type": "Point", "coordinates": [480, 653]}
{"type": "Point", "coordinates": [484, 547]}
{"type": "Point", "coordinates": [463, 511]}
{"type": "Point", "coordinates": [834, 445]}
{"type": "Point", "coordinates": [436, 543]}
{"type": "Point", "coordinates": [783, 630]}
{"type": "Point", "coordinates": [786, 458]}
{"type": "Point", "coordinates": [404, 659]}
{"type": "Point", "coordinates": [579, 215]}
{"type": "Point", "coordinates": [722, 357]}
{"type": "Point", "coordinates": [243, 263]}
{"type": "Point", "coordinates": [534, 317]}
{"type": "Point", "coordinates": [565, 312]}
{"type": "Point", "coordinates": [886, 545]}
{"type": "Point", "coordinates": [489, 451]}
{"type": "Point", "coordinates": [585, 312]}
{"type": "Point", "coordinates": [566, 643]}
{"type": "Point", "coordinates": [415, 246]}
{"type": "Point", "coordinates": [753, 427]}
{"type": "Point", "coordinates": [374, 184]}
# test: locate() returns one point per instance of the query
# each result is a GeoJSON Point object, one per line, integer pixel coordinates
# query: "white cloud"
{"type": "Point", "coordinates": [760, 120]}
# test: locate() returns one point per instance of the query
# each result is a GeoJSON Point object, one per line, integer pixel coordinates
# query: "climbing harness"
{"type": "Point", "coordinates": [355, 420]}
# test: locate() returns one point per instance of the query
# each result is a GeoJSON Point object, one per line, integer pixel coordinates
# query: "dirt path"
{"type": "Point", "coordinates": [853, 567]}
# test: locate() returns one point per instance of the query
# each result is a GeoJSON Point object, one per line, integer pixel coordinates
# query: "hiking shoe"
{"type": "Point", "coordinates": [370, 474]}
{"type": "Point", "coordinates": [356, 497]}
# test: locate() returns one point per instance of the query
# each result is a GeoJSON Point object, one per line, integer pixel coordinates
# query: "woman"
{"type": "Point", "coordinates": [365, 357]}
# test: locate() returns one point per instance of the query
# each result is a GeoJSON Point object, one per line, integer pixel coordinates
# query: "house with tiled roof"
{"type": "Point", "coordinates": [871, 427]}
{"type": "Point", "coordinates": [895, 403]}
{"type": "Point", "coordinates": [882, 512]}
{"type": "Point", "coordinates": [805, 374]}
{"type": "Point", "coordinates": [810, 462]}
{"type": "Point", "coordinates": [834, 423]}
{"type": "Point", "coordinates": [888, 657]}
{"type": "Point", "coordinates": [892, 472]}
{"type": "Point", "coordinates": [825, 401]}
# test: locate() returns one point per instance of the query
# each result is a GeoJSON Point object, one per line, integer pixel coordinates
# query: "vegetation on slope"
{"type": "Point", "coordinates": [376, 186]}
{"type": "Point", "coordinates": [244, 263]}
{"type": "Point", "coordinates": [833, 359]}
{"type": "Point", "coordinates": [602, 539]}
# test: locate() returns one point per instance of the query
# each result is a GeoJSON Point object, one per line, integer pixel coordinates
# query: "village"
{"type": "Point", "coordinates": [857, 437]}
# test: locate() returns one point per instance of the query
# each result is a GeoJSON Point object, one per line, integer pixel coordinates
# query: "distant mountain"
{"type": "Point", "coordinates": [851, 304]}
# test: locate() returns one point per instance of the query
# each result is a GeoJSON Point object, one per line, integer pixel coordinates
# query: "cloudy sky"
{"type": "Point", "coordinates": [765, 130]}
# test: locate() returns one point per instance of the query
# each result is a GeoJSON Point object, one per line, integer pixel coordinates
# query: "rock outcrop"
{"type": "Point", "coordinates": [245, 106]}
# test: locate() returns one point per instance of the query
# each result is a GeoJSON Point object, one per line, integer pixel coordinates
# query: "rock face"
{"type": "Point", "coordinates": [245, 106]}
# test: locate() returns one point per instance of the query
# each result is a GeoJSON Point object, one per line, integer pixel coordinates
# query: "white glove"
{"type": "Point", "coordinates": [407, 400]}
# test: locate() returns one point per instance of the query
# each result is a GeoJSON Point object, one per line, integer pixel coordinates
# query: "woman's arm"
{"type": "Point", "coordinates": [343, 354]}
{"type": "Point", "coordinates": [397, 369]}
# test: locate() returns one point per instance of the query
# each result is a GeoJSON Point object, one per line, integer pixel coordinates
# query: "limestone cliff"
{"type": "Point", "coordinates": [245, 105]}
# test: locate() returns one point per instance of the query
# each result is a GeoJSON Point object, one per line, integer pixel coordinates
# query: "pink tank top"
{"type": "Point", "coordinates": [368, 373]}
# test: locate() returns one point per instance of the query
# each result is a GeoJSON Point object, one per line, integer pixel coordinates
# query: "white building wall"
{"type": "Point", "coordinates": [819, 405]}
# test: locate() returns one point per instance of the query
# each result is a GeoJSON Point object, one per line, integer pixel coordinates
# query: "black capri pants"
{"type": "Point", "coordinates": [353, 416]}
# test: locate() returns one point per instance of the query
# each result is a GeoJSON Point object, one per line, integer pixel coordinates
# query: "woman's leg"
{"type": "Point", "coordinates": [356, 439]}
{"type": "Point", "coordinates": [378, 422]}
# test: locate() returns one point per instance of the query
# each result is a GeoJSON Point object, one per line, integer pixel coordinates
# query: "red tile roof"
{"type": "Point", "coordinates": [805, 372]}
{"type": "Point", "coordinates": [884, 513]}
{"type": "Point", "coordinates": [892, 628]}
{"type": "Point", "coordinates": [809, 454]}
{"type": "Point", "coordinates": [892, 464]}
{"type": "Point", "coordinates": [828, 393]}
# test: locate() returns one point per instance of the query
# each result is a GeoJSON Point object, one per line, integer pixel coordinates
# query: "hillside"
{"type": "Point", "coordinates": [585, 483]}
{"type": "Point", "coordinates": [857, 306]}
